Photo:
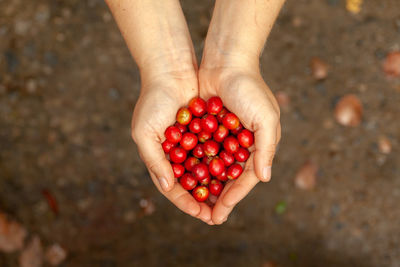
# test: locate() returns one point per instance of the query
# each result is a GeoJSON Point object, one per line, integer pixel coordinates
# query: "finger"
{"type": "Point", "coordinates": [205, 214]}
{"type": "Point", "coordinates": [220, 211]}
{"type": "Point", "coordinates": [265, 141]}
{"type": "Point", "coordinates": [153, 156]}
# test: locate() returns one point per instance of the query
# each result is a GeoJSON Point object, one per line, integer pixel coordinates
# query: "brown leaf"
{"type": "Point", "coordinates": [32, 255]}
{"type": "Point", "coordinates": [55, 254]}
{"type": "Point", "coordinates": [12, 235]}
{"type": "Point", "coordinates": [384, 144]}
{"type": "Point", "coordinates": [348, 111]}
{"type": "Point", "coordinates": [319, 68]}
{"type": "Point", "coordinates": [391, 64]}
{"type": "Point", "coordinates": [306, 176]}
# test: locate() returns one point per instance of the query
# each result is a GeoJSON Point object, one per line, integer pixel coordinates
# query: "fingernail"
{"type": "Point", "coordinates": [267, 173]}
{"type": "Point", "coordinates": [163, 183]}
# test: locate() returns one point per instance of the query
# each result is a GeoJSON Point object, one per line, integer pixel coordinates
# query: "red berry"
{"type": "Point", "coordinates": [214, 105]}
{"type": "Point", "coordinates": [177, 155]}
{"type": "Point", "coordinates": [209, 123]}
{"type": "Point", "coordinates": [190, 162]}
{"type": "Point", "coordinates": [195, 125]}
{"type": "Point", "coordinates": [242, 154]}
{"type": "Point", "coordinates": [183, 116]}
{"type": "Point", "coordinates": [234, 171]}
{"type": "Point", "coordinates": [182, 128]}
{"type": "Point", "coordinates": [205, 181]}
{"type": "Point", "coordinates": [231, 144]}
{"type": "Point", "coordinates": [198, 151]}
{"type": "Point", "coordinates": [216, 166]}
{"type": "Point", "coordinates": [245, 138]}
{"type": "Point", "coordinates": [220, 134]}
{"type": "Point", "coordinates": [173, 134]}
{"type": "Point", "coordinates": [237, 130]}
{"type": "Point", "coordinates": [178, 169]}
{"type": "Point", "coordinates": [206, 160]}
{"type": "Point", "coordinates": [197, 106]}
{"type": "Point", "coordinates": [211, 148]}
{"type": "Point", "coordinates": [227, 157]}
{"type": "Point", "coordinates": [167, 146]}
{"type": "Point", "coordinates": [215, 187]}
{"type": "Point", "coordinates": [188, 141]}
{"type": "Point", "coordinates": [188, 182]}
{"type": "Point", "coordinates": [200, 171]}
{"type": "Point", "coordinates": [231, 121]}
{"type": "Point", "coordinates": [222, 114]}
{"type": "Point", "coordinates": [222, 177]}
{"type": "Point", "coordinates": [200, 193]}
{"type": "Point", "coordinates": [204, 136]}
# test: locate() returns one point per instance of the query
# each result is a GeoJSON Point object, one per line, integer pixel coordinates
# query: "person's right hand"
{"type": "Point", "coordinates": [160, 98]}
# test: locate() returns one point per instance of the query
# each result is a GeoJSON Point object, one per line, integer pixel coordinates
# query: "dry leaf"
{"type": "Point", "coordinates": [354, 6]}
{"type": "Point", "coordinates": [55, 254]}
{"type": "Point", "coordinates": [384, 144]}
{"type": "Point", "coordinates": [391, 64]}
{"type": "Point", "coordinates": [319, 68]}
{"type": "Point", "coordinates": [32, 255]}
{"type": "Point", "coordinates": [348, 111]}
{"type": "Point", "coordinates": [12, 235]}
{"type": "Point", "coordinates": [306, 176]}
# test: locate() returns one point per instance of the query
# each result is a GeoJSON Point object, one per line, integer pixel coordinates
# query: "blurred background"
{"type": "Point", "coordinates": [73, 191]}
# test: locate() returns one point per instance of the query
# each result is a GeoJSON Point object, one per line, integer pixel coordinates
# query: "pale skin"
{"type": "Point", "coordinates": [158, 38]}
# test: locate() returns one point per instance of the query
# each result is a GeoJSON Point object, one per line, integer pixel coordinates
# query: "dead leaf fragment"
{"type": "Point", "coordinates": [354, 6]}
{"type": "Point", "coordinates": [384, 144]}
{"type": "Point", "coordinates": [55, 254]}
{"type": "Point", "coordinates": [12, 235]}
{"type": "Point", "coordinates": [391, 64]}
{"type": "Point", "coordinates": [32, 255]}
{"type": "Point", "coordinates": [319, 68]}
{"type": "Point", "coordinates": [306, 176]}
{"type": "Point", "coordinates": [348, 111]}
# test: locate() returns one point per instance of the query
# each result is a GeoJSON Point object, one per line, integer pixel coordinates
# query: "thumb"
{"type": "Point", "coordinates": [265, 141]}
{"type": "Point", "coordinates": [153, 156]}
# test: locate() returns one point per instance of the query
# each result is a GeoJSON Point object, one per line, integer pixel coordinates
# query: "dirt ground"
{"type": "Point", "coordinates": [67, 90]}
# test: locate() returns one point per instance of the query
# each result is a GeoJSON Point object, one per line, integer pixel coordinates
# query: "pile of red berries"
{"type": "Point", "coordinates": [198, 160]}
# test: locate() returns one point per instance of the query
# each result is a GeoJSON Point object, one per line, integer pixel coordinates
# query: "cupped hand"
{"type": "Point", "coordinates": [245, 93]}
{"type": "Point", "coordinates": [160, 98]}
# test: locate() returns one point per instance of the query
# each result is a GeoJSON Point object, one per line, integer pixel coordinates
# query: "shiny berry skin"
{"type": "Point", "coordinates": [184, 116]}
{"type": "Point", "coordinates": [227, 157]}
{"type": "Point", "coordinates": [204, 136]}
{"type": "Point", "coordinates": [215, 187]}
{"type": "Point", "coordinates": [167, 146]}
{"type": "Point", "coordinates": [237, 130]}
{"type": "Point", "coordinates": [195, 125]}
{"type": "Point", "coordinates": [190, 162]}
{"type": "Point", "coordinates": [211, 148]}
{"type": "Point", "coordinates": [214, 105]}
{"type": "Point", "coordinates": [216, 166]}
{"type": "Point", "coordinates": [231, 144]}
{"type": "Point", "coordinates": [242, 154]}
{"type": "Point", "coordinates": [198, 151]}
{"type": "Point", "coordinates": [234, 171]}
{"type": "Point", "coordinates": [173, 134]}
{"type": "Point", "coordinates": [197, 106]}
{"type": "Point", "coordinates": [200, 193]}
{"type": "Point", "coordinates": [177, 155]}
{"type": "Point", "coordinates": [231, 121]}
{"type": "Point", "coordinates": [222, 114]}
{"type": "Point", "coordinates": [188, 141]}
{"type": "Point", "coordinates": [182, 128]}
{"type": "Point", "coordinates": [206, 160]}
{"type": "Point", "coordinates": [200, 171]}
{"type": "Point", "coordinates": [220, 134]}
{"type": "Point", "coordinates": [188, 182]}
{"type": "Point", "coordinates": [205, 181]}
{"type": "Point", "coordinates": [222, 177]}
{"type": "Point", "coordinates": [245, 138]}
{"type": "Point", "coordinates": [209, 123]}
{"type": "Point", "coordinates": [178, 169]}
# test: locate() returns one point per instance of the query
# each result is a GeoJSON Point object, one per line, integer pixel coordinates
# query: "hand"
{"type": "Point", "coordinates": [245, 93]}
{"type": "Point", "coordinates": [160, 98]}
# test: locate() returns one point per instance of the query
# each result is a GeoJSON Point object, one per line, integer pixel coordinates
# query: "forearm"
{"type": "Point", "coordinates": [156, 34]}
{"type": "Point", "coordinates": [238, 31]}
